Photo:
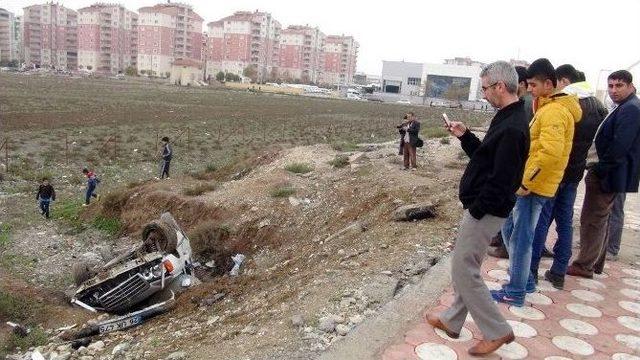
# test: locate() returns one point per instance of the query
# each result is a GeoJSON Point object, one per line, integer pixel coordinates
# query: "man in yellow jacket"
{"type": "Point", "coordinates": [551, 131]}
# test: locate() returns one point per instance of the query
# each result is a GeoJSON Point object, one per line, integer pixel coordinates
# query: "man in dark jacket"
{"type": "Point", "coordinates": [46, 194]}
{"type": "Point", "coordinates": [560, 208]}
{"type": "Point", "coordinates": [409, 131]}
{"type": "Point", "coordinates": [616, 171]}
{"type": "Point", "coordinates": [487, 192]}
{"type": "Point", "coordinates": [167, 154]}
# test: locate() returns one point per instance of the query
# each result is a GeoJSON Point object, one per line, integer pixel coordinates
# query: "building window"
{"type": "Point", "coordinates": [413, 81]}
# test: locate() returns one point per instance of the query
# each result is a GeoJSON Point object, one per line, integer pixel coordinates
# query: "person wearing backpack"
{"type": "Point", "coordinates": [92, 183]}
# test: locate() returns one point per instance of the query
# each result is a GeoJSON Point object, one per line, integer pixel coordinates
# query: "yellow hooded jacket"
{"type": "Point", "coordinates": [551, 130]}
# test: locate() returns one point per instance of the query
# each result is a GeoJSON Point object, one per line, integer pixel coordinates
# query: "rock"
{"type": "Point", "coordinates": [342, 330]}
{"type": "Point", "coordinates": [250, 329]}
{"type": "Point", "coordinates": [86, 357]}
{"type": "Point", "coordinates": [388, 273]}
{"type": "Point", "coordinates": [356, 319]}
{"type": "Point", "coordinates": [327, 324]}
{"type": "Point", "coordinates": [177, 355]}
{"type": "Point", "coordinates": [211, 299]}
{"type": "Point", "coordinates": [213, 319]}
{"type": "Point", "coordinates": [82, 350]}
{"type": "Point", "coordinates": [338, 319]}
{"type": "Point", "coordinates": [346, 302]}
{"type": "Point", "coordinates": [297, 320]}
{"type": "Point", "coordinates": [293, 201]}
{"type": "Point", "coordinates": [210, 264]}
{"type": "Point", "coordinates": [414, 212]}
{"type": "Point", "coordinates": [398, 202]}
{"type": "Point", "coordinates": [63, 348]}
{"type": "Point", "coordinates": [121, 348]}
{"type": "Point", "coordinates": [61, 356]}
{"type": "Point", "coordinates": [91, 258]}
{"type": "Point", "coordinates": [380, 289]}
{"type": "Point", "coordinates": [96, 346]}
{"type": "Point", "coordinates": [264, 223]}
{"type": "Point", "coordinates": [359, 158]}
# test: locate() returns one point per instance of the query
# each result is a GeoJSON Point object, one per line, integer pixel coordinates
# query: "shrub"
{"type": "Point", "coordinates": [199, 189]}
{"type": "Point", "coordinates": [37, 337]}
{"type": "Point", "coordinates": [445, 141]}
{"type": "Point", "coordinates": [299, 168]}
{"type": "Point", "coordinates": [5, 235]}
{"type": "Point", "coordinates": [345, 146]}
{"type": "Point", "coordinates": [282, 191]}
{"type": "Point", "coordinates": [210, 241]}
{"type": "Point", "coordinates": [115, 201]}
{"type": "Point", "coordinates": [435, 132]}
{"type": "Point", "coordinates": [19, 309]}
{"type": "Point", "coordinates": [111, 226]}
{"type": "Point", "coordinates": [339, 161]}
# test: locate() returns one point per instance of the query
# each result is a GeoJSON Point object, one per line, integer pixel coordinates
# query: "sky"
{"type": "Point", "coordinates": [595, 36]}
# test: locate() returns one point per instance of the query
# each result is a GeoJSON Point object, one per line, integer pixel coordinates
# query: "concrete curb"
{"type": "Point", "coordinates": [370, 339]}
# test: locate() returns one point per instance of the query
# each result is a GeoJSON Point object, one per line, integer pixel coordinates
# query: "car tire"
{"type": "Point", "coordinates": [165, 238]}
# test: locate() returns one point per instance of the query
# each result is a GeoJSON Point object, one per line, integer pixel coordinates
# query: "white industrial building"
{"type": "Point", "coordinates": [438, 81]}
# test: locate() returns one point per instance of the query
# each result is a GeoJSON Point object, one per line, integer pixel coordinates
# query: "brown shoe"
{"type": "Point", "coordinates": [574, 270]}
{"type": "Point", "coordinates": [434, 321]}
{"type": "Point", "coordinates": [499, 252]}
{"type": "Point", "coordinates": [486, 347]}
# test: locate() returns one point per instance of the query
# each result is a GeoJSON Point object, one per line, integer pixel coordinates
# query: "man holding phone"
{"type": "Point", "coordinates": [487, 192]}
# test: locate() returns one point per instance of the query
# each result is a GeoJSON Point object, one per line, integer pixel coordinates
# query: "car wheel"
{"type": "Point", "coordinates": [159, 236]}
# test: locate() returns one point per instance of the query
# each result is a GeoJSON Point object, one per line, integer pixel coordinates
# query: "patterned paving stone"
{"type": "Point", "coordinates": [630, 322]}
{"type": "Point", "coordinates": [512, 351]}
{"type": "Point", "coordinates": [499, 274]}
{"type": "Point", "coordinates": [429, 351]}
{"type": "Point", "coordinates": [630, 341]}
{"type": "Point", "coordinates": [631, 282]}
{"type": "Point", "coordinates": [631, 293]}
{"type": "Point", "coordinates": [527, 312]}
{"type": "Point", "coordinates": [586, 295]}
{"type": "Point", "coordinates": [538, 299]}
{"type": "Point", "coordinates": [521, 329]}
{"type": "Point", "coordinates": [592, 284]}
{"type": "Point", "coordinates": [573, 345]}
{"type": "Point", "coordinates": [630, 306]}
{"type": "Point", "coordinates": [584, 310]}
{"type": "Point", "coordinates": [632, 272]}
{"type": "Point", "coordinates": [492, 285]}
{"type": "Point", "coordinates": [623, 356]}
{"type": "Point", "coordinates": [578, 327]}
{"type": "Point", "coordinates": [465, 335]}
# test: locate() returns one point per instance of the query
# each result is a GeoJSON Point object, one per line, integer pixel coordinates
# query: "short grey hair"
{"type": "Point", "coordinates": [502, 71]}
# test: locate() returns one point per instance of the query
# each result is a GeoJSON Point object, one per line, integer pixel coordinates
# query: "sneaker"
{"type": "Point", "coordinates": [98, 197]}
{"type": "Point", "coordinates": [85, 204]}
{"type": "Point", "coordinates": [557, 281]}
{"type": "Point", "coordinates": [414, 169]}
{"type": "Point", "coordinates": [501, 296]}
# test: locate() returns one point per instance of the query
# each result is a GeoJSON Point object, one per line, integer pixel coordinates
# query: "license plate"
{"type": "Point", "coordinates": [120, 324]}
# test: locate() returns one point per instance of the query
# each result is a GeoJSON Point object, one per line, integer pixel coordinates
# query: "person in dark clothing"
{"type": "Point", "coordinates": [46, 194]}
{"type": "Point", "coordinates": [560, 208]}
{"type": "Point", "coordinates": [617, 170]}
{"type": "Point", "coordinates": [409, 131]}
{"type": "Point", "coordinates": [167, 154]}
{"type": "Point", "coordinates": [92, 183]}
{"type": "Point", "coordinates": [497, 247]}
{"type": "Point", "coordinates": [487, 192]}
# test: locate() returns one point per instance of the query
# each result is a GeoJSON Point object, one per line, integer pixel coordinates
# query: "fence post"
{"type": "Point", "coordinates": [157, 139]}
{"type": "Point", "coordinates": [115, 146]}
{"type": "Point", "coordinates": [6, 153]}
{"type": "Point", "coordinates": [188, 138]}
{"type": "Point", "coordinates": [219, 131]}
{"type": "Point", "coordinates": [66, 148]}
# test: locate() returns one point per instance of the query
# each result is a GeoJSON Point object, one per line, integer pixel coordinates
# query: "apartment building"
{"type": "Point", "coordinates": [166, 33]}
{"type": "Point", "coordinates": [107, 38]}
{"type": "Point", "coordinates": [50, 37]}
{"type": "Point", "coordinates": [7, 36]}
{"type": "Point", "coordinates": [244, 40]}
{"type": "Point", "coordinates": [301, 54]}
{"type": "Point", "coordinates": [339, 57]}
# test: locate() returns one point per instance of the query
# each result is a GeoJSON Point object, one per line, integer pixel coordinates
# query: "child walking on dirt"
{"type": "Point", "coordinates": [46, 194]}
{"type": "Point", "coordinates": [92, 183]}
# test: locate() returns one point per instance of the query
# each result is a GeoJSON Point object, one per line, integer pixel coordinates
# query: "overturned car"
{"type": "Point", "coordinates": [146, 276]}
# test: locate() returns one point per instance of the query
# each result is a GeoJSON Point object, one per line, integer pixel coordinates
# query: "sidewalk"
{"type": "Point", "coordinates": [590, 319]}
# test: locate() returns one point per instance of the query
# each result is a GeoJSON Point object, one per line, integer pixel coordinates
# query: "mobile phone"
{"type": "Point", "coordinates": [445, 118]}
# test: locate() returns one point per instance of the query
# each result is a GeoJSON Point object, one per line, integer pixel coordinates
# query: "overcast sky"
{"type": "Point", "coordinates": [591, 35]}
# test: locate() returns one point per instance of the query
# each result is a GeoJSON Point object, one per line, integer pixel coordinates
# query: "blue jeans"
{"type": "Point", "coordinates": [517, 233]}
{"type": "Point", "coordinates": [559, 209]}
{"type": "Point", "coordinates": [91, 188]}
{"type": "Point", "coordinates": [44, 206]}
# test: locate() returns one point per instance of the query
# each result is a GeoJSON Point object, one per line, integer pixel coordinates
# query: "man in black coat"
{"type": "Point", "coordinates": [616, 171]}
{"type": "Point", "coordinates": [409, 140]}
{"type": "Point", "coordinates": [487, 193]}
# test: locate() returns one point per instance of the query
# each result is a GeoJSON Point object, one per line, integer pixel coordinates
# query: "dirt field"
{"type": "Point", "coordinates": [327, 247]}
